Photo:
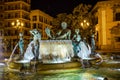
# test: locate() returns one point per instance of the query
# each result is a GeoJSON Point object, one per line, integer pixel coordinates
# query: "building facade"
{"type": "Point", "coordinates": [16, 16]}
{"type": "Point", "coordinates": [107, 19]}
{"type": "Point", "coordinates": [40, 21]}
{"type": "Point", "coordinates": [10, 11]}
{"type": "Point", "coordinates": [1, 18]}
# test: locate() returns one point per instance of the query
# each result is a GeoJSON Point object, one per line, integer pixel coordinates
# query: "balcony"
{"type": "Point", "coordinates": [109, 48]}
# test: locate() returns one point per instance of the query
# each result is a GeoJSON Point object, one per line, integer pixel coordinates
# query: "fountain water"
{"type": "Point", "coordinates": [56, 51]}
{"type": "Point", "coordinates": [84, 51]}
{"type": "Point", "coordinates": [11, 56]}
{"type": "Point", "coordinates": [29, 54]}
{"type": "Point", "coordinates": [52, 51]}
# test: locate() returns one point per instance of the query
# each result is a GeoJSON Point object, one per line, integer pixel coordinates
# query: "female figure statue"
{"type": "Point", "coordinates": [81, 48]}
{"type": "Point", "coordinates": [21, 44]}
{"type": "Point", "coordinates": [92, 43]}
{"type": "Point", "coordinates": [76, 40]}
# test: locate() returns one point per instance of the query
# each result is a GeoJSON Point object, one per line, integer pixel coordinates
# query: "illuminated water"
{"type": "Point", "coordinates": [111, 71]}
{"type": "Point", "coordinates": [13, 52]}
{"type": "Point", "coordinates": [81, 74]}
{"type": "Point", "coordinates": [93, 73]}
{"type": "Point", "coordinates": [52, 51]}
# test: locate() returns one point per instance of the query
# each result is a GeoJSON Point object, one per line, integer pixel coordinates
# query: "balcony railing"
{"type": "Point", "coordinates": [108, 47]}
{"type": "Point", "coordinates": [26, 1]}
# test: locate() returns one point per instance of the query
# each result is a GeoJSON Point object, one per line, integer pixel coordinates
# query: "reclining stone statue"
{"type": "Point", "coordinates": [62, 34]}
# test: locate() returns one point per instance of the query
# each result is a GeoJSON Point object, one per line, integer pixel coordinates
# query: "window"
{"type": "Point", "coordinates": [34, 25]}
{"type": "Point", "coordinates": [26, 25]}
{"type": "Point", "coordinates": [9, 24]}
{"type": "Point", "coordinates": [1, 7]}
{"type": "Point", "coordinates": [50, 22]}
{"type": "Point", "coordinates": [1, 25]}
{"type": "Point", "coordinates": [117, 16]}
{"type": "Point", "coordinates": [40, 18]}
{"type": "Point", "coordinates": [9, 15]}
{"type": "Point", "coordinates": [117, 39]}
{"type": "Point", "coordinates": [1, 33]}
{"type": "Point", "coordinates": [45, 20]}
{"type": "Point", "coordinates": [1, 15]}
{"type": "Point", "coordinates": [16, 15]}
{"type": "Point", "coordinates": [40, 26]}
{"type": "Point", "coordinates": [34, 18]}
{"type": "Point", "coordinates": [96, 20]}
{"type": "Point", "coordinates": [8, 32]}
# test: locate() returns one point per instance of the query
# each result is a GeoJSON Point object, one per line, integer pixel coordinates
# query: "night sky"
{"type": "Point", "coordinates": [54, 7]}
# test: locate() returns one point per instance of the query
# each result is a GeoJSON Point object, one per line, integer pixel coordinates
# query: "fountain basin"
{"type": "Point", "coordinates": [42, 67]}
{"type": "Point", "coordinates": [22, 61]}
{"type": "Point", "coordinates": [46, 68]}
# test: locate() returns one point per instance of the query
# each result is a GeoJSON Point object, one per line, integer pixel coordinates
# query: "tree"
{"type": "Point", "coordinates": [81, 13]}
{"type": "Point", "coordinates": [61, 18]}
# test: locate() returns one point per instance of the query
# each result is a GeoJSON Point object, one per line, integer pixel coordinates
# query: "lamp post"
{"type": "Point", "coordinates": [85, 24]}
{"type": "Point", "coordinates": [85, 32]}
{"type": "Point", "coordinates": [17, 24]}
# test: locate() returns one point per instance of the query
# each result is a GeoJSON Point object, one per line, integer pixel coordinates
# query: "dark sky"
{"type": "Point", "coordinates": [54, 7]}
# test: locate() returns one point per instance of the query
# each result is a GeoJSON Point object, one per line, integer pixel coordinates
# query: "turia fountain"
{"type": "Point", "coordinates": [56, 53]}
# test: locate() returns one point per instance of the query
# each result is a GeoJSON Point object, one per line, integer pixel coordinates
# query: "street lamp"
{"type": "Point", "coordinates": [85, 24]}
{"type": "Point", "coordinates": [17, 24]}
{"type": "Point", "coordinates": [85, 31]}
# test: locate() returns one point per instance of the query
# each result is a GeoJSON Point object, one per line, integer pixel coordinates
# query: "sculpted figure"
{"type": "Point", "coordinates": [1, 49]}
{"type": "Point", "coordinates": [76, 40]}
{"type": "Point", "coordinates": [77, 36]}
{"type": "Point", "coordinates": [21, 44]}
{"type": "Point", "coordinates": [62, 34]}
{"type": "Point", "coordinates": [93, 52]}
{"type": "Point", "coordinates": [81, 48]}
{"type": "Point", "coordinates": [32, 52]}
{"type": "Point", "coordinates": [92, 43]}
